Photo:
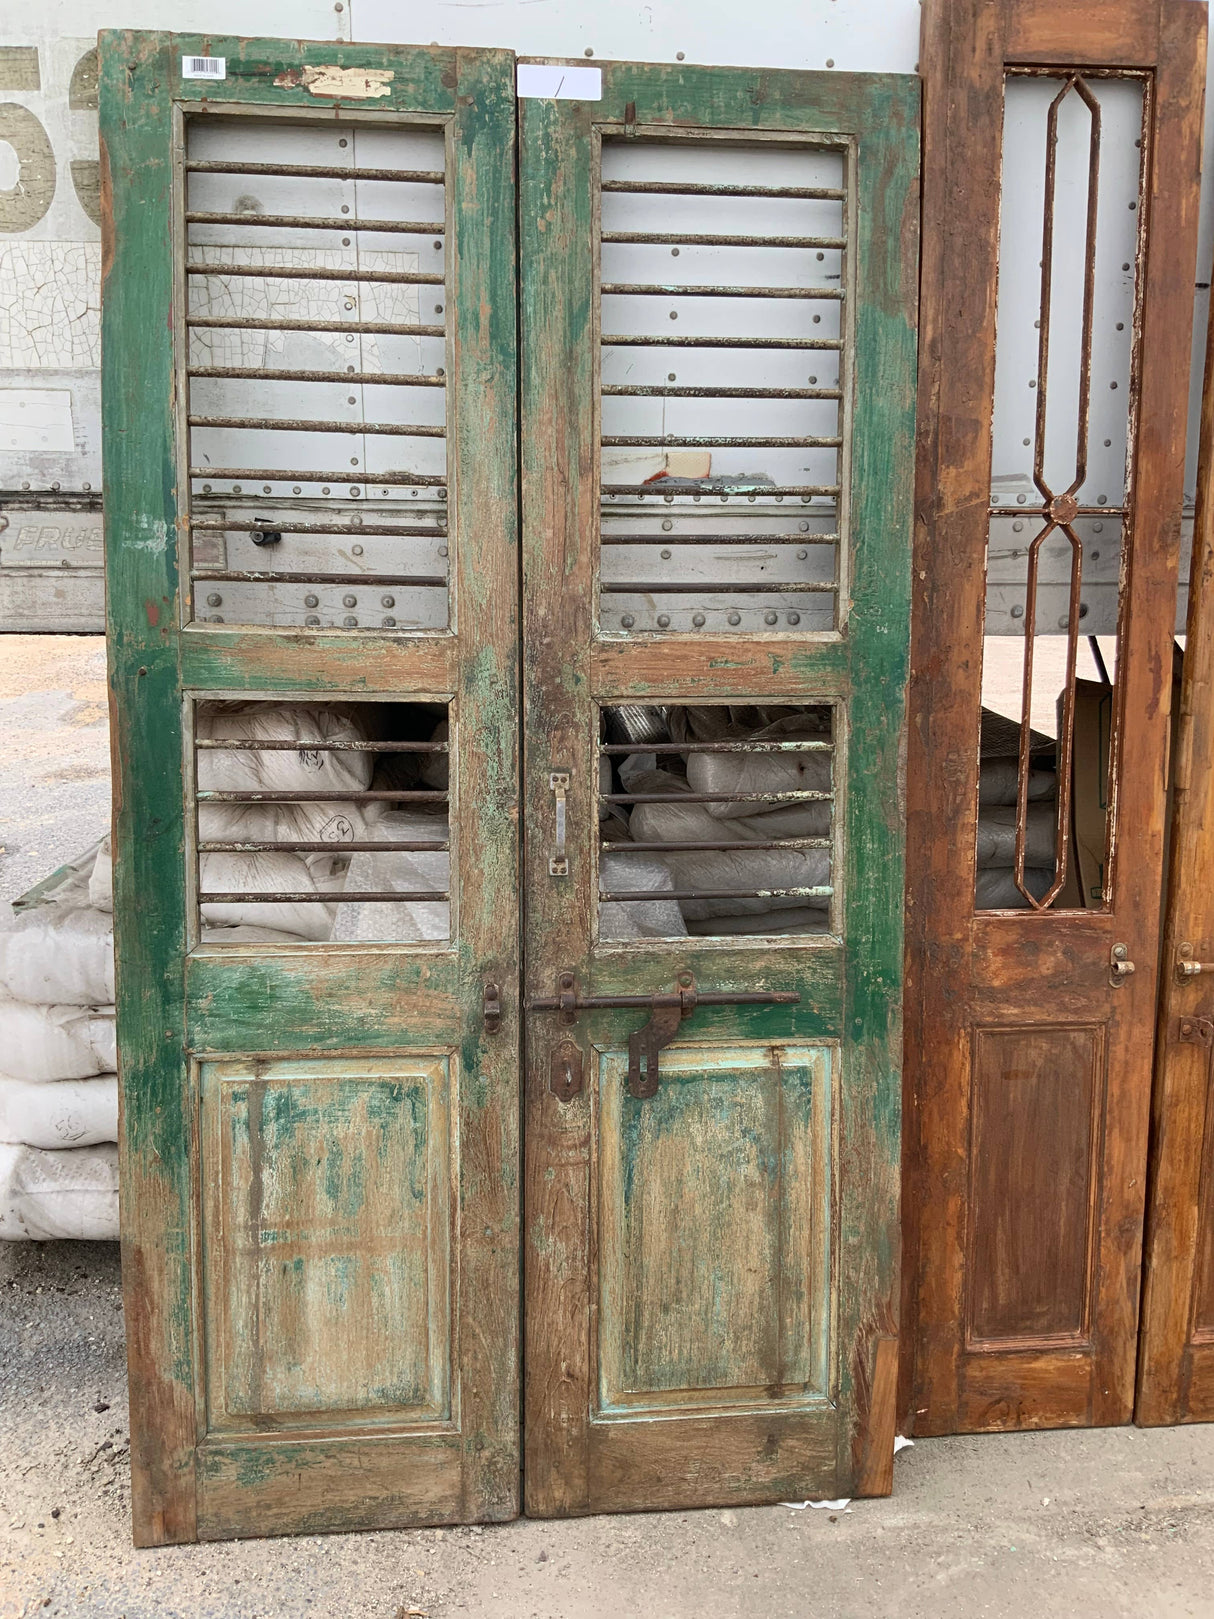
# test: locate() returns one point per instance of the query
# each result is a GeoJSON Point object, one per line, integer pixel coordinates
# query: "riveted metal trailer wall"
{"type": "Point", "coordinates": [50, 471]}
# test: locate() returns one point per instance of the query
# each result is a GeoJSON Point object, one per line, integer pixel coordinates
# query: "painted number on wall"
{"type": "Point", "coordinates": [28, 170]}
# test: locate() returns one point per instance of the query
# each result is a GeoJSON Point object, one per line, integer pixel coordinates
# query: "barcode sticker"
{"type": "Point", "coordinates": [204, 67]}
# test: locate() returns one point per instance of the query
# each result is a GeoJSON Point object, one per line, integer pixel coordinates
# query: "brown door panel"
{"type": "Point", "coordinates": [1035, 828]}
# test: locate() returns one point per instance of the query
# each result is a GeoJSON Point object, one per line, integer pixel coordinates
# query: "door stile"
{"type": "Point", "coordinates": [557, 213]}
{"type": "Point", "coordinates": [1176, 1357]}
{"type": "Point", "coordinates": [398, 1034]}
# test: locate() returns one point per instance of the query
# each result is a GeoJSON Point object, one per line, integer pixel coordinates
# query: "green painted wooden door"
{"type": "Point", "coordinates": [309, 310]}
{"type": "Point", "coordinates": [718, 353]}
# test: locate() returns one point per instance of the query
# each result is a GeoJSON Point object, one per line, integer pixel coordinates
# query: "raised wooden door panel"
{"type": "Point", "coordinates": [1036, 1108]}
{"type": "Point", "coordinates": [1176, 1360]}
{"type": "Point", "coordinates": [718, 292]}
{"type": "Point", "coordinates": [326, 1221]}
{"type": "Point", "coordinates": [713, 1203]}
{"type": "Point", "coordinates": [1060, 174]}
{"type": "Point", "coordinates": [309, 312]}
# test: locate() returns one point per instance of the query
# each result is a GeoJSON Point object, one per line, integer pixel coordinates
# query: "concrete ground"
{"type": "Point", "coordinates": [1118, 1522]}
{"type": "Point", "coordinates": [1035, 1526]}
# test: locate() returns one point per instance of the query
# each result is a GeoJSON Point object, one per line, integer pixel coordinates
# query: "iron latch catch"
{"type": "Point", "coordinates": [666, 1013]}
{"type": "Point", "coordinates": [492, 1008]}
{"type": "Point", "coordinates": [1195, 1031]}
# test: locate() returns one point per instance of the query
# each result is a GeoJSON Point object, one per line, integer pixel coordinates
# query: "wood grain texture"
{"type": "Point", "coordinates": [1018, 972]}
{"type": "Point", "coordinates": [1176, 1368]}
{"type": "Point", "coordinates": [260, 660]}
{"type": "Point", "coordinates": [327, 1220]}
{"type": "Point", "coordinates": [156, 1151]}
{"type": "Point", "coordinates": [726, 1299]}
{"type": "Point", "coordinates": [876, 1464]}
{"type": "Point", "coordinates": [300, 1000]}
{"type": "Point", "coordinates": [581, 1455]}
{"type": "Point", "coordinates": [284, 1486]}
{"type": "Point", "coordinates": [1035, 1109]}
{"type": "Point", "coordinates": [1075, 33]}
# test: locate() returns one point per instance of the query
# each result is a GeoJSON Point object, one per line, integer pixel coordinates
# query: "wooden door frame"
{"type": "Point", "coordinates": [966, 46]}
{"type": "Point", "coordinates": [1176, 1358]}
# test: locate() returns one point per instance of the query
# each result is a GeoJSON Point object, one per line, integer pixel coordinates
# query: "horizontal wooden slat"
{"type": "Point", "coordinates": [684, 668]}
{"type": "Point", "coordinates": [1077, 33]}
{"type": "Point", "coordinates": [322, 998]}
{"type": "Point", "coordinates": [715, 1460]}
{"type": "Point", "coordinates": [1042, 1389]}
{"type": "Point", "coordinates": [270, 661]}
{"type": "Point", "coordinates": [303, 1486]}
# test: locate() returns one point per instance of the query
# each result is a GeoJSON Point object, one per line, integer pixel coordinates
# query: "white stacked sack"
{"type": "Point", "coordinates": [302, 768]}
{"type": "Point", "coordinates": [999, 773]}
{"type": "Point", "coordinates": [58, 1080]}
{"type": "Point", "coordinates": [746, 820]}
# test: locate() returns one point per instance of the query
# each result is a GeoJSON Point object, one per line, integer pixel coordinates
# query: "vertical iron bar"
{"type": "Point", "coordinates": [1089, 288]}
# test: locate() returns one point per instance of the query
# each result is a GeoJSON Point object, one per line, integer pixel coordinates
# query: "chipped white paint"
{"type": "Point", "coordinates": [349, 83]}
{"type": "Point", "coordinates": [50, 304]}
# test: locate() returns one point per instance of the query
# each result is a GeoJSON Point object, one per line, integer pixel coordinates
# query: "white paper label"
{"type": "Point", "coordinates": [37, 420]}
{"type": "Point", "coordinates": [204, 67]}
{"type": "Point", "coordinates": [560, 83]}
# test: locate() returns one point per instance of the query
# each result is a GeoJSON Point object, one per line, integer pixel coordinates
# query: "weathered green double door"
{"type": "Point", "coordinates": [507, 931]}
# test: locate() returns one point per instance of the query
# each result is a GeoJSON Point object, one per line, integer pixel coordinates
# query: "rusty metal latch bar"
{"type": "Point", "coordinates": [558, 781]}
{"type": "Point", "coordinates": [666, 1013]}
{"type": "Point", "coordinates": [1186, 967]}
{"type": "Point", "coordinates": [1120, 965]}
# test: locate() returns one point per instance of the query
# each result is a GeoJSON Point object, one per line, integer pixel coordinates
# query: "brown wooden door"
{"type": "Point", "coordinates": [1036, 809]}
{"type": "Point", "coordinates": [1176, 1356]}
{"type": "Point", "coordinates": [718, 274]}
